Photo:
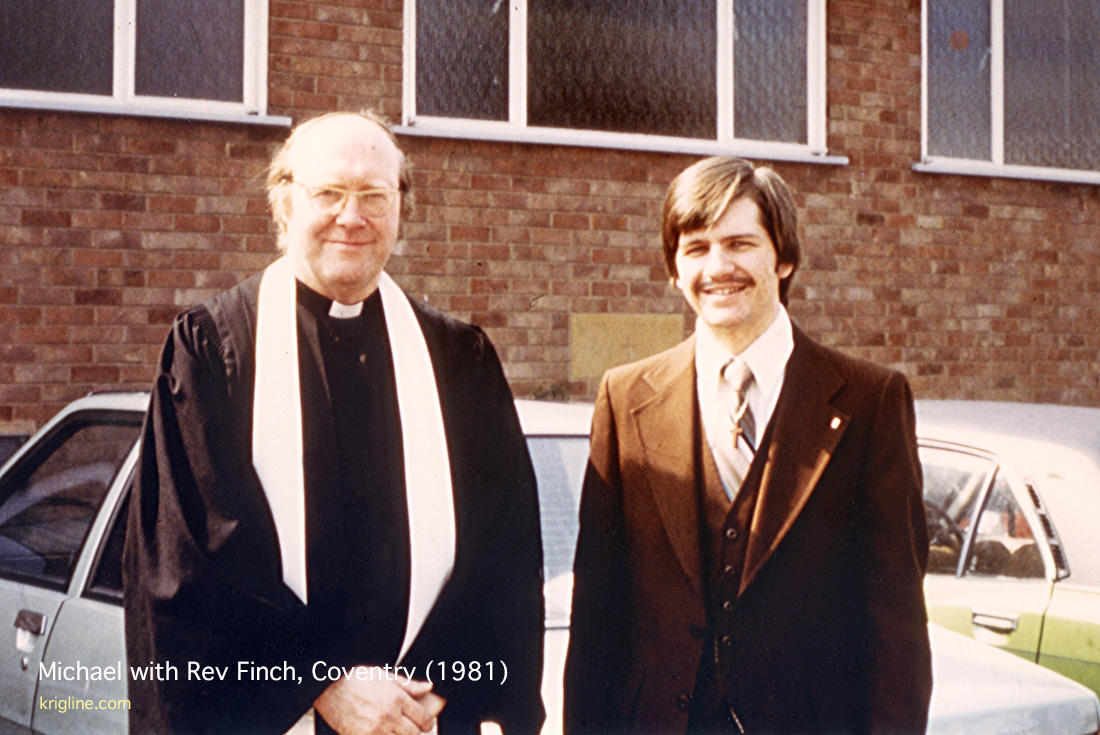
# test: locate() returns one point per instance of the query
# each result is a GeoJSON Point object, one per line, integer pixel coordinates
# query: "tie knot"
{"type": "Point", "coordinates": [737, 373]}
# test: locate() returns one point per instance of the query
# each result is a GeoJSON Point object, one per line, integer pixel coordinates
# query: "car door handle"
{"type": "Point", "coordinates": [998, 622]}
{"type": "Point", "coordinates": [30, 621]}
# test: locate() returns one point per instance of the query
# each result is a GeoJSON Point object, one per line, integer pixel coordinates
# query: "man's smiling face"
{"type": "Point", "coordinates": [729, 274]}
{"type": "Point", "coordinates": [342, 255]}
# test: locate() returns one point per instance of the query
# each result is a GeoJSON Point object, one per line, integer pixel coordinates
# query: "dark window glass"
{"type": "Point", "coordinates": [9, 445]}
{"type": "Point", "coordinates": [462, 59]}
{"type": "Point", "coordinates": [1052, 97]}
{"type": "Point", "coordinates": [559, 466]}
{"type": "Point", "coordinates": [57, 45]}
{"type": "Point", "coordinates": [630, 66]}
{"type": "Point", "coordinates": [959, 79]}
{"type": "Point", "coordinates": [953, 486]}
{"type": "Point", "coordinates": [1004, 544]}
{"type": "Point", "coordinates": [769, 80]}
{"type": "Point", "coordinates": [192, 49]}
{"type": "Point", "coordinates": [51, 498]}
{"type": "Point", "coordinates": [106, 581]}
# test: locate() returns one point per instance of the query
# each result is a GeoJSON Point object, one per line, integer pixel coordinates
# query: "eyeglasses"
{"type": "Point", "coordinates": [330, 200]}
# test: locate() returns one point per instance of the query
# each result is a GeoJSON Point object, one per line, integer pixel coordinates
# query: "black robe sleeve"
{"type": "Point", "coordinates": [492, 609]}
{"type": "Point", "coordinates": [203, 589]}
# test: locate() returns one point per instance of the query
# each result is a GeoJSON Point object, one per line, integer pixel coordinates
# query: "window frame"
{"type": "Point", "coordinates": [1015, 487]}
{"type": "Point", "coordinates": [117, 518]}
{"type": "Point", "coordinates": [516, 129]}
{"type": "Point", "coordinates": [124, 100]}
{"type": "Point", "coordinates": [985, 482]}
{"type": "Point", "coordinates": [33, 454]}
{"type": "Point", "coordinates": [1021, 488]}
{"type": "Point", "coordinates": [996, 166]}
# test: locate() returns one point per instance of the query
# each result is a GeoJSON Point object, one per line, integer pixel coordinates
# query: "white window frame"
{"type": "Point", "coordinates": [995, 166]}
{"type": "Point", "coordinates": [516, 129]}
{"type": "Point", "coordinates": [124, 99]}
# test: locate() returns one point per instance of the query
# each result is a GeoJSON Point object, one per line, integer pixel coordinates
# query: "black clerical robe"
{"type": "Point", "coordinates": [202, 570]}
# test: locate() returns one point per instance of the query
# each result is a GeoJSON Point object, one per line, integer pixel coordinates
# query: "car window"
{"type": "Point", "coordinates": [953, 486]}
{"type": "Point", "coordinates": [1004, 544]}
{"type": "Point", "coordinates": [559, 466]}
{"type": "Point", "coordinates": [105, 582]}
{"type": "Point", "coordinates": [51, 498]}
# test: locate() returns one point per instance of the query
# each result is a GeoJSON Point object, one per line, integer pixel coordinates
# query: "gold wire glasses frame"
{"type": "Point", "coordinates": [330, 200]}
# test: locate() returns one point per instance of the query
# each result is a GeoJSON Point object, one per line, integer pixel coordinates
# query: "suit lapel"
{"type": "Point", "coordinates": [806, 429]}
{"type": "Point", "coordinates": [668, 429]}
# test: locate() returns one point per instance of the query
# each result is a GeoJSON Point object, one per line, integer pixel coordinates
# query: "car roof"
{"type": "Point", "coordinates": [546, 418]}
{"type": "Point", "coordinates": [554, 418]}
{"type": "Point", "coordinates": [1071, 426]}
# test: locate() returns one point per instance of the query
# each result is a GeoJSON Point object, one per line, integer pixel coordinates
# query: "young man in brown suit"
{"type": "Point", "coordinates": [753, 537]}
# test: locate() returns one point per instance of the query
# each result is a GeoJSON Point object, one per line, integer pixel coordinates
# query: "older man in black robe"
{"type": "Point", "coordinates": [333, 480]}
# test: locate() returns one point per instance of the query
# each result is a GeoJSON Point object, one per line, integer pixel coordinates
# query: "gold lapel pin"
{"type": "Point", "coordinates": [835, 424]}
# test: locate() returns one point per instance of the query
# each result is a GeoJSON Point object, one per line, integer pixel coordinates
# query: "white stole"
{"type": "Point", "coordinates": [277, 444]}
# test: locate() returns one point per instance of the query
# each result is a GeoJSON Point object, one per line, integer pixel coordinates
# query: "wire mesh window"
{"type": "Point", "coordinates": [1014, 82]}
{"type": "Point", "coordinates": [650, 67]}
{"type": "Point", "coordinates": [171, 54]}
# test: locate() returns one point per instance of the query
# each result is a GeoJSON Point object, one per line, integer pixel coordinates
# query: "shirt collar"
{"type": "Point", "coordinates": [767, 356]}
{"type": "Point", "coordinates": [322, 305]}
{"type": "Point", "coordinates": [345, 311]}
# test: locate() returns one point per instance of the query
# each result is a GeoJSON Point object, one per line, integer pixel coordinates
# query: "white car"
{"type": "Point", "coordinates": [62, 511]}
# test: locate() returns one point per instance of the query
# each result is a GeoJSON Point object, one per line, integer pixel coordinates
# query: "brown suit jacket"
{"type": "Point", "coordinates": [830, 620]}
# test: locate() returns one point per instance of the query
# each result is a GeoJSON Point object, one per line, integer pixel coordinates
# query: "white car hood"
{"type": "Point", "coordinates": [1010, 694]}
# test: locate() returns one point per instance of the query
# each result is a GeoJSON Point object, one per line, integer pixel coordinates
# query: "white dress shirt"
{"type": "Point", "coordinates": [767, 358]}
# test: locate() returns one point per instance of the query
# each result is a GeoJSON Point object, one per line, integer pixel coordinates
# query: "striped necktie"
{"type": "Point", "coordinates": [735, 456]}
{"type": "Point", "coordinates": [739, 378]}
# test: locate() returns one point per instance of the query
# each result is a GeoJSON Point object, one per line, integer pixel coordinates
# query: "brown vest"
{"type": "Point", "coordinates": [725, 538]}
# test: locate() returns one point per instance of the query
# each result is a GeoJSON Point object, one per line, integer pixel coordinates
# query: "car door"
{"type": "Point", "coordinates": [50, 498]}
{"type": "Point", "coordinates": [990, 574]}
{"type": "Point", "coordinates": [90, 628]}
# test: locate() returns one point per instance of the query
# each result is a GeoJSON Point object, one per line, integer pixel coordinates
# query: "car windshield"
{"type": "Point", "coordinates": [559, 465]}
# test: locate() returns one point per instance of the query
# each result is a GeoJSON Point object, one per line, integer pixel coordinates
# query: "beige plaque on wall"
{"type": "Point", "coordinates": [601, 341]}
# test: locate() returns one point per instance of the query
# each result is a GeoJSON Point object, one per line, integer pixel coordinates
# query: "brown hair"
{"type": "Point", "coordinates": [279, 172]}
{"type": "Point", "coordinates": [702, 193]}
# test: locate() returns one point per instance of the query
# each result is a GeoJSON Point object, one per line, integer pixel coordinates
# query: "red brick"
{"type": "Point", "coordinates": [959, 281]}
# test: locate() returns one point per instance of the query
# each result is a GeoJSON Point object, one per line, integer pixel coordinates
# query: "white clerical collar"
{"type": "Point", "coordinates": [345, 311]}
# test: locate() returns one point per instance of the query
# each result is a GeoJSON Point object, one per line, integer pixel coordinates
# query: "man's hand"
{"type": "Point", "coordinates": [367, 707]}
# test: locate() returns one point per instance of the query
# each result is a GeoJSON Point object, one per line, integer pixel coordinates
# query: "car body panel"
{"type": "Point", "coordinates": [1016, 696]}
{"type": "Point", "coordinates": [1009, 617]}
{"type": "Point", "coordinates": [1071, 635]}
{"type": "Point", "coordinates": [90, 632]}
{"type": "Point", "coordinates": [22, 650]}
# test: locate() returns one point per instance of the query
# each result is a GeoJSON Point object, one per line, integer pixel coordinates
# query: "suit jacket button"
{"type": "Point", "coordinates": [731, 533]}
{"type": "Point", "coordinates": [727, 641]}
{"type": "Point", "coordinates": [728, 570]}
{"type": "Point", "coordinates": [683, 702]}
{"type": "Point", "coordinates": [727, 605]}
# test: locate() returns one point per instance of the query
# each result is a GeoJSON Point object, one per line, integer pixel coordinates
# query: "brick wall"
{"type": "Point", "coordinates": [975, 287]}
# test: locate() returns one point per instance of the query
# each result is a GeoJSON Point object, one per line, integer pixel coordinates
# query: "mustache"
{"type": "Point", "coordinates": [735, 279]}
